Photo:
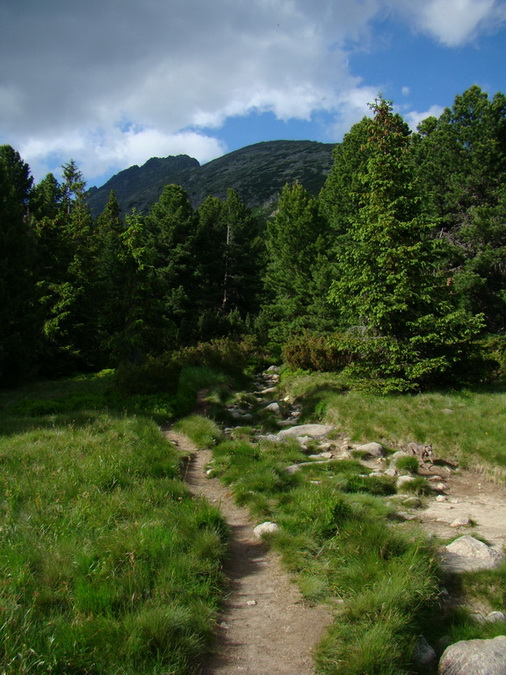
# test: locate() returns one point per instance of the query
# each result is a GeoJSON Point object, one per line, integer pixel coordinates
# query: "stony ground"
{"type": "Point", "coordinates": [265, 627]}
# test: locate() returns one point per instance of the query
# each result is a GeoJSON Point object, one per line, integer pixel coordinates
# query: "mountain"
{"type": "Point", "coordinates": [257, 172]}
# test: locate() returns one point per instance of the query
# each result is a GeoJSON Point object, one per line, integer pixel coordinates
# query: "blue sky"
{"type": "Point", "coordinates": [111, 83]}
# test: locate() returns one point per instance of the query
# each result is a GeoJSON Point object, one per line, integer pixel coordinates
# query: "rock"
{"type": "Point", "coordinates": [293, 468]}
{"type": "Point", "coordinates": [268, 390]}
{"type": "Point", "coordinates": [251, 603]}
{"type": "Point", "coordinates": [311, 430]}
{"type": "Point", "coordinates": [321, 455]}
{"type": "Point", "coordinates": [475, 657]}
{"type": "Point", "coordinates": [441, 498]}
{"type": "Point", "coordinates": [423, 653]}
{"type": "Point", "coordinates": [463, 521]}
{"type": "Point", "coordinates": [404, 480]}
{"type": "Point", "coordinates": [448, 411]}
{"type": "Point", "coordinates": [440, 487]}
{"type": "Point", "coordinates": [274, 408]}
{"type": "Point", "coordinates": [412, 502]}
{"type": "Point", "coordinates": [272, 369]}
{"type": "Point", "coordinates": [397, 455]}
{"type": "Point", "coordinates": [492, 617]}
{"type": "Point", "coordinates": [265, 528]}
{"type": "Point", "coordinates": [372, 449]}
{"type": "Point", "coordinates": [391, 472]}
{"type": "Point", "coordinates": [469, 554]}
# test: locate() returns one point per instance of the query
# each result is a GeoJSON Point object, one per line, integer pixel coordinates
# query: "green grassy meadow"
{"type": "Point", "coordinates": [108, 564]}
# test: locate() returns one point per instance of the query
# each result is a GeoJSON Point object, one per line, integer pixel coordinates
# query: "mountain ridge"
{"type": "Point", "coordinates": [257, 172]}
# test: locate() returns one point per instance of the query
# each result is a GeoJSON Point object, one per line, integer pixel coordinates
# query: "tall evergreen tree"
{"type": "Point", "coordinates": [296, 241]}
{"type": "Point", "coordinates": [388, 283]}
{"type": "Point", "coordinates": [19, 324]}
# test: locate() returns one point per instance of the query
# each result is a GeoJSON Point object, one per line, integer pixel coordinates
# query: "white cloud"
{"type": "Point", "coordinates": [72, 72]}
{"type": "Point", "coordinates": [453, 22]}
{"type": "Point", "coordinates": [413, 118]}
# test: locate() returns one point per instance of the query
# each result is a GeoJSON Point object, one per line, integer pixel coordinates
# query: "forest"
{"type": "Point", "coordinates": [394, 274]}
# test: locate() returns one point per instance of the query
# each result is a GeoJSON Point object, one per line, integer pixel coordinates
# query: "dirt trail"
{"type": "Point", "coordinates": [265, 627]}
{"type": "Point", "coordinates": [468, 494]}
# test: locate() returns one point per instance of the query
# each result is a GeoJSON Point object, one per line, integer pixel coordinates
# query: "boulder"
{"type": "Point", "coordinates": [311, 430]}
{"type": "Point", "coordinates": [469, 554]}
{"type": "Point", "coordinates": [265, 528]}
{"type": "Point", "coordinates": [371, 449]}
{"type": "Point", "coordinates": [476, 657]}
{"type": "Point", "coordinates": [463, 521]}
{"type": "Point", "coordinates": [273, 408]}
{"type": "Point", "coordinates": [423, 653]}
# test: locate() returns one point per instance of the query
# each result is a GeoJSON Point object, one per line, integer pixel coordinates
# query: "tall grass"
{"type": "Point", "coordinates": [108, 564]}
{"type": "Point", "coordinates": [464, 425]}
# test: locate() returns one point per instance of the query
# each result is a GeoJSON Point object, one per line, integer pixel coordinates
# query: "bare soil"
{"type": "Point", "coordinates": [265, 626]}
{"type": "Point", "coordinates": [468, 494]}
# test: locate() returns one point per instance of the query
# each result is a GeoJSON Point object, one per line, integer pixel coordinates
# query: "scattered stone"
{"type": "Point", "coordinates": [412, 502]}
{"type": "Point", "coordinates": [435, 478]}
{"type": "Point", "coordinates": [441, 498]}
{"type": "Point", "coordinates": [268, 390]}
{"type": "Point", "coordinates": [405, 516]}
{"type": "Point", "coordinates": [375, 474]}
{"type": "Point", "coordinates": [463, 521]}
{"type": "Point", "coordinates": [404, 480]}
{"type": "Point", "coordinates": [397, 455]}
{"type": "Point", "coordinates": [293, 468]}
{"type": "Point", "coordinates": [265, 528]}
{"type": "Point", "coordinates": [272, 369]}
{"type": "Point", "coordinates": [493, 617]}
{"type": "Point", "coordinates": [448, 411]}
{"type": "Point", "coordinates": [251, 603]}
{"type": "Point", "coordinates": [372, 449]}
{"type": "Point", "coordinates": [274, 408]}
{"type": "Point", "coordinates": [391, 473]}
{"type": "Point", "coordinates": [469, 554]}
{"type": "Point", "coordinates": [321, 455]}
{"type": "Point", "coordinates": [423, 653]}
{"type": "Point", "coordinates": [479, 657]}
{"type": "Point", "coordinates": [224, 625]}
{"type": "Point", "coordinates": [440, 487]}
{"type": "Point", "coordinates": [311, 430]}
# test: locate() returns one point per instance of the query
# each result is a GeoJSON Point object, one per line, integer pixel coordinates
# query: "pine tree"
{"type": "Point", "coordinates": [388, 285]}
{"type": "Point", "coordinates": [296, 243]}
{"type": "Point", "coordinates": [19, 321]}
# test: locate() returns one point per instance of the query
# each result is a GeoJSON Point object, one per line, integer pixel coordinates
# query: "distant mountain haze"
{"type": "Point", "coordinates": [257, 172]}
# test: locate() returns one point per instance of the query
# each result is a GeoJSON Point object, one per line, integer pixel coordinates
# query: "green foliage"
{"type": "Point", "coordinates": [156, 374]}
{"type": "Point", "coordinates": [409, 464]}
{"type": "Point", "coordinates": [201, 430]}
{"type": "Point", "coordinates": [388, 285]}
{"type": "Point", "coordinates": [315, 352]}
{"type": "Point", "coordinates": [19, 318]}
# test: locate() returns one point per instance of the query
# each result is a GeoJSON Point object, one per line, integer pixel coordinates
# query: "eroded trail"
{"type": "Point", "coordinates": [265, 627]}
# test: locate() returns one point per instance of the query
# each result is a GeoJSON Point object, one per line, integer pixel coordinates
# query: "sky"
{"type": "Point", "coordinates": [111, 83]}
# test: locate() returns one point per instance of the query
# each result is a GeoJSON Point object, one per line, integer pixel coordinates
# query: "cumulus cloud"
{"type": "Point", "coordinates": [453, 22]}
{"type": "Point", "coordinates": [413, 118]}
{"type": "Point", "coordinates": [72, 73]}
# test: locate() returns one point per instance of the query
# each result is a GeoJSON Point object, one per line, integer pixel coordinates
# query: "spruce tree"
{"type": "Point", "coordinates": [389, 288]}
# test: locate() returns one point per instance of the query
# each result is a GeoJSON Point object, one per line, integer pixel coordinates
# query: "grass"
{"type": "Point", "coordinates": [464, 425]}
{"type": "Point", "coordinates": [108, 564]}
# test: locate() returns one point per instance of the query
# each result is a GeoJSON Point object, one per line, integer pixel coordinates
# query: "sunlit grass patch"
{"type": "Point", "coordinates": [108, 563]}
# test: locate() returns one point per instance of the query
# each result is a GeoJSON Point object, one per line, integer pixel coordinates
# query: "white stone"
{"type": "Point", "coordinates": [404, 480]}
{"type": "Point", "coordinates": [463, 521]}
{"type": "Point", "coordinates": [441, 498]}
{"type": "Point", "coordinates": [475, 657]}
{"type": "Point", "coordinates": [469, 554]}
{"type": "Point", "coordinates": [311, 430]}
{"type": "Point", "coordinates": [265, 528]}
{"type": "Point", "coordinates": [492, 617]}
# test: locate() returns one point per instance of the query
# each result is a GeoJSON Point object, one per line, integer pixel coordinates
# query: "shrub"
{"type": "Point", "coordinates": [152, 376]}
{"type": "Point", "coordinates": [316, 352]}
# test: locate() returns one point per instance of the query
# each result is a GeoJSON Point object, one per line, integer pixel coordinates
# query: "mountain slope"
{"type": "Point", "coordinates": [257, 172]}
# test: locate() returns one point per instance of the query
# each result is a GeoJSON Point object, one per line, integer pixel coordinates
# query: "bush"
{"type": "Point", "coordinates": [316, 352]}
{"type": "Point", "coordinates": [154, 375]}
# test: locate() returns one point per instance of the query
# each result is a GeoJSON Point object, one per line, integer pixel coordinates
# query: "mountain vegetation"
{"type": "Point", "coordinates": [257, 173]}
{"type": "Point", "coordinates": [393, 272]}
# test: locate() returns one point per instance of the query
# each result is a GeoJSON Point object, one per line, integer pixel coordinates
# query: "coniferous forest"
{"type": "Point", "coordinates": [395, 274]}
